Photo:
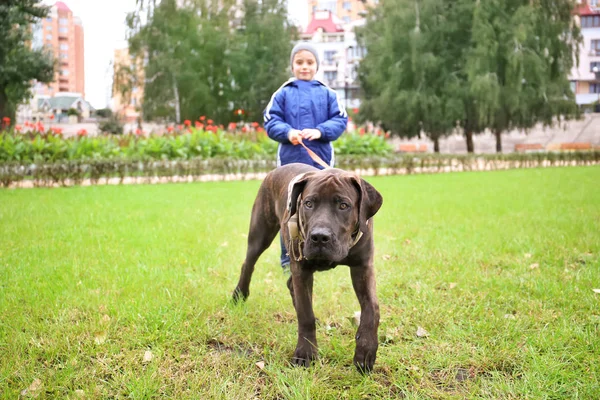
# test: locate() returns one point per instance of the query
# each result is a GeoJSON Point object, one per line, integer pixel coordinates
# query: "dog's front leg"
{"type": "Point", "coordinates": [363, 280]}
{"type": "Point", "coordinates": [306, 349]}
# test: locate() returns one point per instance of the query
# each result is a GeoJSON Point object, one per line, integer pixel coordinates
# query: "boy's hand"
{"type": "Point", "coordinates": [311, 134]}
{"type": "Point", "coordinates": [293, 136]}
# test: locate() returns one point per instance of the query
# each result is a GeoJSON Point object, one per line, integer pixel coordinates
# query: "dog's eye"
{"type": "Point", "coordinates": [344, 206]}
{"type": "Point", "coordinates": [308, 204]}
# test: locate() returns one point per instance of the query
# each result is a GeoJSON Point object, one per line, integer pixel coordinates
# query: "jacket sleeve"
{"type": "Point", "coordinates": [338, 119]}
{"type": "Point", "coordinates": [274, 117]}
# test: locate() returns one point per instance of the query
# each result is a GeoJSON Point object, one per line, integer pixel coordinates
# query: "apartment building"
{"type": "Point", "coordinates": [585, 78]}
{"type": "Point", "coordinates": [339, 53]}
{"type": "Point", "coordinates": [62, 32]}
{"type": "Point", "coordinates": [127, 71]}
{"type": "Point", "coordinates": [346, 10]}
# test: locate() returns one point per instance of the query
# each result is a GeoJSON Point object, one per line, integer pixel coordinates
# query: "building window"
{"type": "Point", "coordinates": [63, 21]}
{"type": "Point", "coordinates": [594, 87]}
{"type": "Point", "coordinates": [347, 6]}
{"type": "Point", "coordinates": [64, 72]}
{"type": "Point", "coordinates": [48, 27]}
{"type": "Point", "coordinates": [329, 57]}
{"type": "Point", "coordinates": [347, 19]}
{"type": "Point", "coordinates": [48, 37]}
{"type": "Point", "coordinates": [590, 21]}
{"type": "Point", "coordinates": [63, 29]}
{"type": "Point", "coordinates": [64, 56]}
{"type": "Point", "coordinates": [48, 19]}
{"type": "Point", "coordinates": [594, 3]}
{"type": "Point", "coordinates": [595, 64]}
{"type": "Point", "coordinates": [595, 47]}
{"type": "Point", "coordinates": [330, 77]}
{"type": "Point", "coordinates": [64, 46]}
{"type": "Point", "coordinates": [573, 85]}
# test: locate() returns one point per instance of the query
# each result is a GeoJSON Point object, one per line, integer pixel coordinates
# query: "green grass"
{"type": "Point", "coordinates": [499, 268]}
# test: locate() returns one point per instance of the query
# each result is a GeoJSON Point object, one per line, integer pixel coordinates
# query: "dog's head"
{"type": "Point", "coordinates": [333, 208]}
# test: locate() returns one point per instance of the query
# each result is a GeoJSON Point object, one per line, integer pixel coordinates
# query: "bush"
{"type": "Point", "coordinates": [111, 125]}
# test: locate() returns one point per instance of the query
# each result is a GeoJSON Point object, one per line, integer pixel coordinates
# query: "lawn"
{"type": "Point", "coordinates": [123, 291]}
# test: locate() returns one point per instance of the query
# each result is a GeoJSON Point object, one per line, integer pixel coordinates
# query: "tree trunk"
{"type": "Point", "coordinates": [436, 145]}
{"type": "Point", "coordinates": [3, 105]}
{"type": "Point", "coordinates": [498, 135]}
{"type": "Point", "coordinates": [469, 137]}
{"type": "Point", "coordinates": [176, 93]}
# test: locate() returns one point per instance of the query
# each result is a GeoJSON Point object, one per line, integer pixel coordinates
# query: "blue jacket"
{"type": "Point", "coordinates": [299, 104]}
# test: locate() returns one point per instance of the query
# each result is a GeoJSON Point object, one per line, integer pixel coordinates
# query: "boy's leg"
{"type": "Point", "coordinates": [285, 258]}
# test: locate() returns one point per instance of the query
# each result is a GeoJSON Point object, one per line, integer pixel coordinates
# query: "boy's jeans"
{"type": "Point", "coordinates": [285, 258]}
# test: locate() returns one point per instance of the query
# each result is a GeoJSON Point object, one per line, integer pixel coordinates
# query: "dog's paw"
{"type": "Point", "coordinates": [364, 357]}
{"type": "Point", "coordinates": [303, 357]}
{"type": "Point", "coordinates": [239, 296]}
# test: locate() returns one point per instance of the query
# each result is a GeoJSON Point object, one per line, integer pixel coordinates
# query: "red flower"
{"type": "Point", "coordinates": [179, 127]}
{"type": "Point", "coordinates": [361, 131]}
{"type": "Point", "coordinates": [255, 124]}
{"type": "Point", "coordinates": [187, 122]}
{"type": "Point", "coordinates": [197, 124]}
{"type": "Point", "coordinates": [18, 128]}
{"type": "Point", "coordinates": [202, 118]}
{"type": "Point", "coordinates": [210, 121]}
{"type": "Point", "coordinates": [51, 116]}
{"type": "Point", "coordinates": [232, 126]}
{"type": "Point", "coordinates": [40, 127]}
{"type": "Point", "coordinates": [355, 110]}
{"type": "Point", "coordinates": [6, 120]}
{"type": "Point", "coordinates": [170, 129]}
{"type": "Point", "coordinates": [260, 129]}
{"type": "Point", "coordinates": [244, 129]}
{"type": "Point", "coordinates": [138, 131]}
{"type": "Point", "coordinates": [387, 135]}
{"type": "Point", "coordinates": [239, 111]}
{"type": "Point", "coordinates": [82, 132]}
{"type": "Point", "coordinates": [57, 131]}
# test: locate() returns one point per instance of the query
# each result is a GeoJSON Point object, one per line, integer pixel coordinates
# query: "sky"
{"type": "Point", "coordinates": [104, 30]}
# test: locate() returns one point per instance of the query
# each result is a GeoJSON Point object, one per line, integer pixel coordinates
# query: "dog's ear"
{"type": "Point", "coordinates": [295, 189]}
{"type": "Point", "coordinates": [369, 201]}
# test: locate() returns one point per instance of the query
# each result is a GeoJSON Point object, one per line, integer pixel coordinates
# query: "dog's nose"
{"type": "Point", "coordinates": [320, 236]}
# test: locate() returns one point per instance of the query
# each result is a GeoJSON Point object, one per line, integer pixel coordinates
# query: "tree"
{"type": "Point", "coordinates": [210, 58]}
{"type": "Point", "coordinates": [259, 55]}
{"type": "Point", "coordinates": [19, 63]}
{"type": "Point", "coordinates": [498, 64]}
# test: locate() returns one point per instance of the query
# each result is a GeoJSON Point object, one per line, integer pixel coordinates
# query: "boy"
{"type": "Point", "coordinates": [304, 109]}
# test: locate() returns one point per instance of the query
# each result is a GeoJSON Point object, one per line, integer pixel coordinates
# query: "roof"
{"type": "Point", "coordinates": [584, 9]}
{"type": "Point", "coordinates": [325, 20]}
{"type": "Point", "coordinates": [64, 102]}
{"type": "Point", "coordinates": [62, 6]}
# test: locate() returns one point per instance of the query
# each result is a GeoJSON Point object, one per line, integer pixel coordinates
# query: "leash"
{"type": "Point", "coordinates": [313, 155]}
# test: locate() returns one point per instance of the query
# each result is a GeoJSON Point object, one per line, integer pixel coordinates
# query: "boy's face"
{"type": "Point", "coordinates": [304, 65]}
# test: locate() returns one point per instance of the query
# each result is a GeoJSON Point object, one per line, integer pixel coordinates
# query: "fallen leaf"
{"type": "Point", "coordinates": [105, 319]}
{"type": "Point", "coordinates": [407, 241]}
{"type": "Point", "coordinates": [80, 393]}
{"type": "Point", "coordinates": [386, 257]}
{"type": "Point", "coordinates": [527, 255]}
{"type": "Point", "coordinates": [510, 316]}
{"type": "Point", "coordinates": [100, 338]}
{"type": "Point", "coordinates": [357, 317]}
{"type": "Point", "coordinates": [421, 332]}
{"type": "Point", "coordinates": [596, 290]}
{"type": "Point", "coordinates": [148, 356]}
{"type": "Point", "coordinates": [260, 365]}
{"type": "Point", "coordinates": [35, 386]}
{"type": "Point", "coordinates": [534, 266]}
{"type": "Point", "coordinates": [452, 285]}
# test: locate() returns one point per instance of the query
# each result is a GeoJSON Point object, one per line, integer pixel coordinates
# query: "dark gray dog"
{"type": "Point", "coordinates": [325, 219]}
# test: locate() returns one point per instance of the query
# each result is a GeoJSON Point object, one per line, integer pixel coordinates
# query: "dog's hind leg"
{"type": "Point", "coordinates": [263, 229]}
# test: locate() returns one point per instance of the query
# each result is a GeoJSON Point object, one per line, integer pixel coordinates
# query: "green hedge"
{"type": "Point", "coordinates": [118, 170]}
{"type": "Point", "coordinates": [48, 147]}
